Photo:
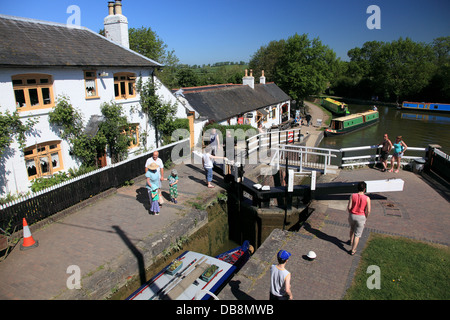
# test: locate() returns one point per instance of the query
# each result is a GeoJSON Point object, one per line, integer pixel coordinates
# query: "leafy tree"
{"type": "Point", "coordinates": [161, 114]}
{"type": "Point", "coordinates": [403, 67]}
{"type": "Point", "coordinates": [11, 127]}
{"type": "Point", "coordinates": [70, 122]}
{"type": "Point", "coordinates": [111, 128]}
{"type": "Point", "coordinates": [187, 77]}
{"type": "Point", "coordinates": [305, 67]}
{"type": "Point", "coordinates": [266, 58]}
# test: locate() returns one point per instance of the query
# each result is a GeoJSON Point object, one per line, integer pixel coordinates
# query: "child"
{"type": "Point", "coordinates": [154, 208]}
{"type": "Point", "coordinates": [173, 185]}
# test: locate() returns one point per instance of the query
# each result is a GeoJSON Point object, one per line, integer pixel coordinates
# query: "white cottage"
{"type": "Point", "coordinates": [40, 61]}
{"type": "Point", "coordinates": [262, 105]}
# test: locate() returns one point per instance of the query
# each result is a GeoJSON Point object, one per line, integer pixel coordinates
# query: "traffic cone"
{"type": "Point", "coordinates": [28, 241]}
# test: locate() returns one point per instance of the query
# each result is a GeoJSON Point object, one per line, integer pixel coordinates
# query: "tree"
{"type": "Point", "coordinates": [70, 122]}
{"type": "Point", "coordinates": [305, 67]}
{"type": "Point", "coordinates": [266, 58]}
{"type": "Point", "coordinates": [161, 114]}
{"type": "Point", "coordinates": [11, 127]}
{"type": "Point", "coordinates": [403, 67]}
{"type": "Point", "coordinates": [187, 77]}
{"type": "Point", "coordinates": [111, 128]}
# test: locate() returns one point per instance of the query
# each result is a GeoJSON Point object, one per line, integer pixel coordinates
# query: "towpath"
{"type": "Point", "coordinates": [418, 212]}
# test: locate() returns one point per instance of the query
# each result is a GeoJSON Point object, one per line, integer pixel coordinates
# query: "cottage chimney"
{"type": "Point", "coordinates": [116, 24]}
{"type": "Point", "coordinates": [249, 80]}
{"type": "Point", "coordinates": [111, 8]}
{"type": "Point", "coordinates": [118, 7]}
{"type": "Point", "coordinates": [262, 79]}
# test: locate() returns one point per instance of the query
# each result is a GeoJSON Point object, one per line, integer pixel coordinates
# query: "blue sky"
{"type": "Point", "coordinates": [202, 32]}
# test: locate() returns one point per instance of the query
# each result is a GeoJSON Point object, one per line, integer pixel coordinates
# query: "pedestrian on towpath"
{"type": "Point", "coordinates": [399, 148]}
{"type": "Point", "coordinates": [280, 278]}
{"type": "Point", "coordinates": [359, 210]}
{"type": "Point", "coordinates": [386, 146]}
{"type": "Point", "coordinates": [173, 185]}
{"type": "Point", "coordinates": [152, 185]}
{"type": "Point", "coordinates": [155, 159]}
{"type": "Point", "coordinates": [207, 161]}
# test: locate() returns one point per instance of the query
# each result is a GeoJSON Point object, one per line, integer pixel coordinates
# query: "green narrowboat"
{"type": "Point", "coordinates": [336, 107]}
{"type": "Point", "coordinates": [352, 122]}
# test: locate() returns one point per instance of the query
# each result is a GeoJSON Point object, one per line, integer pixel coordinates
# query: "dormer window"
{"type": "Point", "coordinates": [33, 91]}
{"type": "Point", "coordinates": [124, 85]}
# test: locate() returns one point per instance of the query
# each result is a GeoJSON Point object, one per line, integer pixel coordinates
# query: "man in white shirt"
{"type": "Point", "coordinates": [207, 161]}
{"type": "Point", "coordinates": [160, 164]}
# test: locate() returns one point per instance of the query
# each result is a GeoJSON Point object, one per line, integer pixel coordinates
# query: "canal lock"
{"type": "Point", "coordinates": [232, 219]}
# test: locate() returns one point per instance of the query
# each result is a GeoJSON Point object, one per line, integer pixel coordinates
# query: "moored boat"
{"type": "Point", "coordinates": [352, 122]}
{"type": "Point", "coordinates": [194, 276]}
{"type": "Point", "coordinates": [336, 107]}
{"type": "Point", "coordinates": [426, 106]}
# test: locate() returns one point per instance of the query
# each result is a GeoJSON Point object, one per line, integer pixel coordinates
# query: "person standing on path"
{"type": "Point", "coordinates": [385, 149]}
{"type": "Point", "coordinates": [152, 185]}
{"type": "Point", "coordinates": [214, 141]}
{"type": "Point", "coordinates": [280, 278]}
{"type": "Point", "coordinates": [399, 148]}
{"type": "Point", "coordinates": [158, 161]}
{"type": "Point", "coordinates": [173, 185]}
{"type": "Point", "coordinates": [359, 210]}
{"type": "Point", "coordinates": [207, 161]}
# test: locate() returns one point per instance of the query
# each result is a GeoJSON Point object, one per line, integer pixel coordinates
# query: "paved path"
{"type": "Point", "coordinates": [99, 237]}
{"type": "Point", "coordinates": [418, 212]}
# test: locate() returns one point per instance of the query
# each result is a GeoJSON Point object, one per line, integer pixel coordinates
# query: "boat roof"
{"type": "Point", "coordinates": [186, 283]}
{"type": "Point", "coordinates": [334, 101]}
{"type": "Point", "coordinates": [355, 115]}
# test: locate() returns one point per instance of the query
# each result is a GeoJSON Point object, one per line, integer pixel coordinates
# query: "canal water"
{"type": "Point", "coordinates": [419, 129]}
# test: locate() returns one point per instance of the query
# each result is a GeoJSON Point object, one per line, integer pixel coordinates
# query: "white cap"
{"type": "Point", "coordinates": [311, 255]}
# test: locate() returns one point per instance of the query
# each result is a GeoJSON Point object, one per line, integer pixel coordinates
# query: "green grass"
{"type": "Point", "coordinates": [409, 270]}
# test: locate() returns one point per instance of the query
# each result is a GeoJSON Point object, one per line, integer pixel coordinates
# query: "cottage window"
{"type": "Point", "coordinates": [124, 85]}
{"type": "Point", "coordinates": [33, 91]}
{"type": "Point", "coordinates": [273, 113]}
{"type": "Point", "coordinates": [90, 84]}
{"type": "Point", "coordinates": [43, 159]}
{"type": "Point", "coordinates": [132, 132]}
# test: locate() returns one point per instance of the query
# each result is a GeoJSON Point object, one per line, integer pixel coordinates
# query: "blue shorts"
{"type": "Point", "coordinates": [209, 174]}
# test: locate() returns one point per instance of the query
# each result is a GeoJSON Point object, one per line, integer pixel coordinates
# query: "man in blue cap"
{"type": "Point", "coordinates": [280, 278]}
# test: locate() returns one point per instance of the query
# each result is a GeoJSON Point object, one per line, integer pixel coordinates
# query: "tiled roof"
{"type": "Point", "coordinates": [34, 43]}
{"type": "Point", "coordinates": [221, 102]}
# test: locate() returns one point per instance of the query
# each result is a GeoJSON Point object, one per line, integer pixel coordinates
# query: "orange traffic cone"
{"type": "Point", "coordinates": [28, 241]}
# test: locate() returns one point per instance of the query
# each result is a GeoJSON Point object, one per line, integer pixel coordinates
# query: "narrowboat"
{"type": "Point", "coordinates": [425, 106]}
{"type": "Point", "coordinates": [352, 122]}
{"type": "Point", "coordinates": [336, 107]}
{"type": "Point", "coordinates": [194, 276]}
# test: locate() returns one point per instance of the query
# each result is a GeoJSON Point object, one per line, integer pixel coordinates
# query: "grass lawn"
{"type": "Point", "coordinates": [408, 269]}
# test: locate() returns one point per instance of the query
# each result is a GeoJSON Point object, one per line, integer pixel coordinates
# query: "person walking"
{"type": "Point", "coordinates": [280, 278]}
{"type": "Point", "coordinates": [386, 146]}
{"type": "Point", "coordinates": [152, 185]}
{"type": "Point", "coordinates": [155, 159]}
{"type": "Point", "coordinates": [173, 185]}
{"type": "Point", "coordinates": [359, 210]}
{"type": "Point", "coordinates": [399, 148]}
{"type": "Point", "coordinates": [154, 207]}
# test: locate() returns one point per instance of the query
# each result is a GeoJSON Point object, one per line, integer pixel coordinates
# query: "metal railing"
{"type": "Point", "coordinates": [370, 155]}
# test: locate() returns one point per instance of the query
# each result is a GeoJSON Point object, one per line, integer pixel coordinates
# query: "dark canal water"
{"type": "Point", "coordinates": [419, 129]}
